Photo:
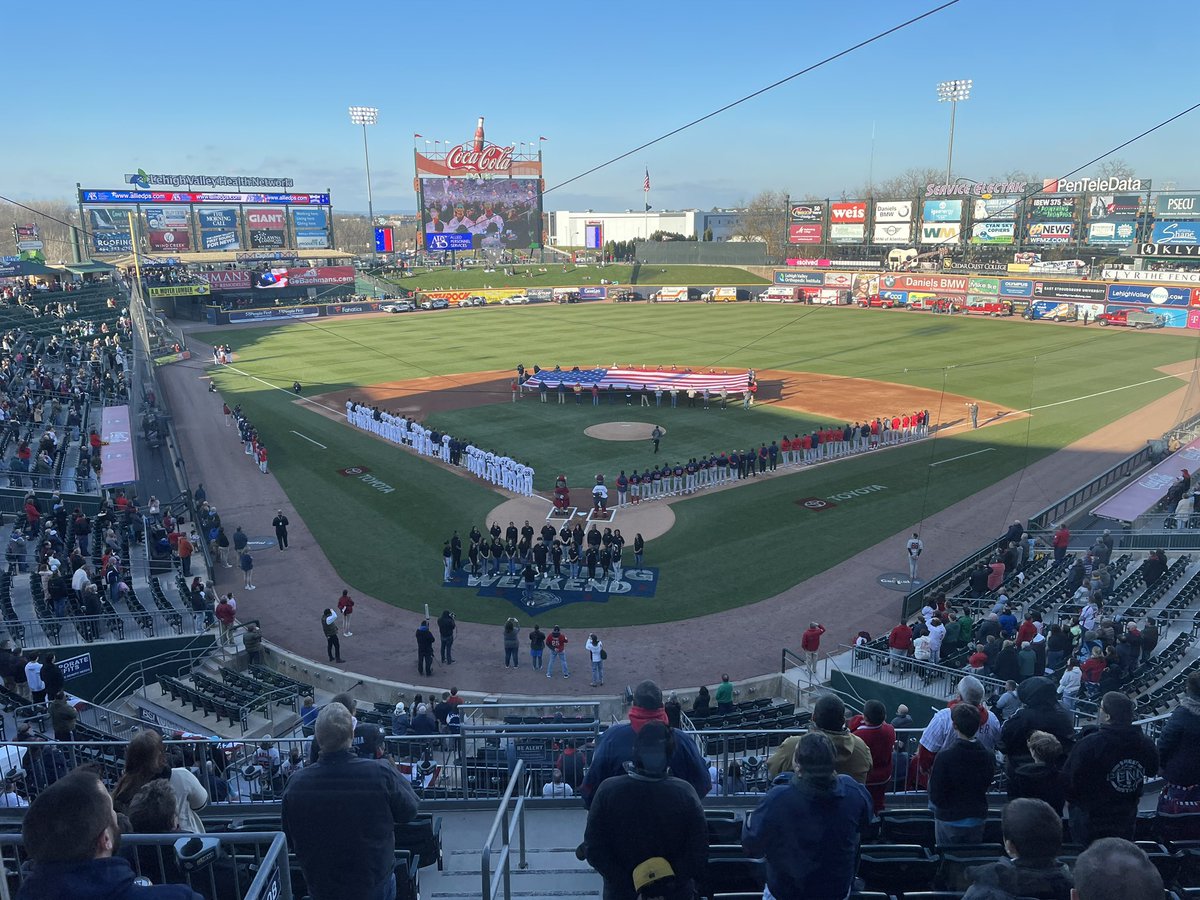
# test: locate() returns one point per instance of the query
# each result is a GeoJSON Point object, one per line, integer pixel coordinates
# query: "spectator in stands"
{"type": "Point", "coordinates": [571, 763]}
{"type": "Point", "coordinates": [146, 761]}
{"type": "Point", "coordinates": [978, 580]}
{"type": "Point", "coordinates": [1008, 702]}
{"type": "Point", "coordinates": [71, 835]}
{"type": "Point", "coordinates": [880, 738]}
{"type": "Point", "coordinates": [647, 814]}
{"type": "Point", "coordinates": [1026, 661]}
{"type": "Point", "coordinates": [33, 677]}
{"type": "Point", "coordinates": [1040, 711]}
{"type": "Point", "coordinates": [1149, 639]}
{"type": "Point", "coordinates": [902, 719]}
{"type": "Point", "coordinates": [1115, 869]}
{"type": "Point", "coordinates": [401, 720]}
{"type": "Point", "coordinates": [810, 642]}
{"type": "Point", "coordinates": [1179, 758]}
{"type": "Point", "coordinates": [1092, 668]}
{"type": "Point", "coordinates": [1154, 567]}
{"type": "Point", "coordinates": [1058, 647]}
{"type": "Point", "coordinates": [226, 613]}
{"type": "Point", "coordinates": [1032, 840]}
{"type": "Point", "coordinates": [340, 815]}
{"type": "Point", "coordinates": [615, 747]}
{"type": "Point", "coordinates": [308, 716]}
{"type": "Point", "coordinates": [1060, 542]}
{"type": "Point", "coordinates": [701, 707]}
{"type": "Point", "coordinates": [1105, 772]}
{"type": "Point", "coordinates": [853, 756]}
{"type": "Point", "coordinates": [809, 826]}
{"type": "Point", "coordinates": [1070, 683]}
{"type": "Point", "coordinates": [674, 710]}
{"type": "Point", "coordinates": [63, 717]}
{"type": "Point", "coordinates": [900, 641]}
{"type": "Point", "coordinates": [959, 780]}
{"type": "Point", "coordinates": [556, 788]}
{"type": "Point", "coordinates": [1041, 775]}
{"type": "Point", "coordinates": [1006, 664]}
{"type": "Point", "coordinates": [724, 696]}
{"type": "Point", "coordinates": [996, 572]}
{"type": "Point", "coordinates": [939, 733]}
{"type": "Point", "coordinates": [252, 641]}
{"type": "Point", "coordinates": [10, 662]}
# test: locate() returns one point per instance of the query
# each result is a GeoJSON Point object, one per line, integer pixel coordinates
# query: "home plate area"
{"type": "Point", "coordinates": [555, 591]}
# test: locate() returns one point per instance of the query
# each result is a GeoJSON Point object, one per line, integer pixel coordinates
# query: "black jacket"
{"type": "Point", "coordinates": [635, 817]}
{"type": "Point", "coordinates": [1041, 782]}
{"type": "Point", "coordinates": [1104, 776]}
{"type": "Point", "coordinates": [1047, 879]}
{"type": "Point", "coordinates": [1041, 712]}
{"type": "Point", "coordinates": [424, 642]}
{"type": "Point", "coordinates": [1179, 747]}
{"type": "Point", "coordinates": [959, 781]}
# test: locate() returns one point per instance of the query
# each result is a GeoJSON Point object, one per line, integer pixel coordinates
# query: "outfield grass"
{"type": "Point", "coordinates": [557, 274]}
{"type": "Point", "coordinates": [728, 548]}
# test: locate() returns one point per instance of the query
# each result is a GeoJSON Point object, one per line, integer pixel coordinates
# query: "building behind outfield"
{"type": "Point", "coordinates": [569, 229]}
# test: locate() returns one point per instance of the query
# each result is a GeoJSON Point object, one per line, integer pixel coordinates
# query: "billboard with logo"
{"type": "Point", "coordinates": [893, 211]}
{"type": "Point", "coordinates": [1052, 209]}
{"type": "Point", "coordinates": [993, 232]}
{"type": "Point", "coordinates": [497, 214]}
{"type": "Point", "coordinates": [1015, 287]}
{"type": "Point", "coordinates": [1113, 207]}
{"type": "Point", "coordinates": [942, 211]}
{"type": "Point", "coordinates": [1051, 233]}
{"type": "Point", "coordinates": [314, 277]}
{"type": "Point", "coordinates": [1176, 233]}
{"type": "Point", "coordinates": [163, 240]}
{"type": "Point", "coordinates": [842, 233]}
{"type": "Point", "coordinates": [804, 234]}
{"type": "Point", "coordinates": [806, 222]}
{"type": "Point", "coordinates": [996, 208]}
{"type": "Point", "coordinates": [848, 211]}
{"type": "Point", "coordinates": [1177, 206]}
{"type": "Point", "coordinates": [268, 228]}
{"type": "Point", "coordinates": [1120, 234]}
{"type": "Point", "coordinates": [985, 286]}
{"type": "Point", "coordinates": [229, 279]}
{"type": "Point", "coordinates": [939, 284]}
{"type": "Point", "coordinates": [110, 230]}
{"type": "Point", "coordinates": [1070, 290]}
{"type": "Point", "coordinates": [892, 233]}
{"type": "Point", "coordinates": [940, 233]}
{"type": "Point", "coordinates": [1156, 294]}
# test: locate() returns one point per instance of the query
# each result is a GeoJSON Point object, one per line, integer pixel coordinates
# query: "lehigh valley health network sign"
{"type": "Point", "coordinates": [144, 180]}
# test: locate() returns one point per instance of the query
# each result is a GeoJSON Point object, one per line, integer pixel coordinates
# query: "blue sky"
{"type": "Point", "coordinates": [262, 88]}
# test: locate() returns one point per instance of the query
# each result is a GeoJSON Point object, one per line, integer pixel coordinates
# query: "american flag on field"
{"type": "Point", "coordinates": [622, 379]}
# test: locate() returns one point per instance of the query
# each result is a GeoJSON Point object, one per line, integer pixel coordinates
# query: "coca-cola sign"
{"type": "Point", "coordinates": [492, 158]}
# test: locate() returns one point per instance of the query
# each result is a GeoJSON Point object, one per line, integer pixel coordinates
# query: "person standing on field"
{"type": "Point", "coordinates": [913, 548]}
{"type": "Point", "coordinates": [345, 606]}
{"type": "Point", "coordinates": [810, 642]}
{"type": "Point", "coordinates": [280, 524]}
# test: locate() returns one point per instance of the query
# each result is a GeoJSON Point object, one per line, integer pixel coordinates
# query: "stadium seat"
{"type": "Point", "coordinates": [1168, 864]}
{"type": "Point", "coordinates": [907, 826]}
{"type": "Point", "coordinates": [731, 871]}
{"type": "Point", "coordinates": [423, 838]}
{"type": "Point", "coordinates": [724, 826]}
{"type": "Point", "coordinates": [958, 858]}
{"type": "Point", "coordinates": [896, 868]}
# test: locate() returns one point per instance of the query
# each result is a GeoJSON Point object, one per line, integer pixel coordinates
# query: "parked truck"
{"type": "Point", "coordinates": [675, 295]}
{"type": "Point", "coordinates": [780, 293]}
{"type": "Point", "coordinates": [726, 295]}
{"type": "Point", "coordinates": [1134, 318]}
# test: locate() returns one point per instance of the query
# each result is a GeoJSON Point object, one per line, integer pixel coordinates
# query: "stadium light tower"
{"type": "Point", "coordinates": [953, 91]}
{"type": "Point", "coordinates": [364, 116]}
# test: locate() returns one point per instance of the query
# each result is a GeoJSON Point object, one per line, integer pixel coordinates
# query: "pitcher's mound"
{"type": "Point", "coordinates": [622, 431]}
{"type": "Point", "coordinates": [650, 520]}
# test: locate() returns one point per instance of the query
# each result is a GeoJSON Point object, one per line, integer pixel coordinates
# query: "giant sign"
{"type": "Point", "coordinates": [1177, 206]}
{"type": "Point", "coordinates": [942, 211]}
{"type": "Point", "coordinates": [229, 280]}
{"type": "Point", "coordinates": [143, 180]}
{"type": "Point", "coordinates": [974, 188]}
{"type": "Point", "coordinates": [499, 213]}
{"type": "Point", "coordinates": [1145, 293]}
{"type": "Point", "coordinates": [1150, 249]}
{"type": "Point", "coordinates": [313, 277]}
{"type": "Point", "coordinates": [852, 211]}
{"type": "Point", "coordinates": [1095, 185]}
{"type": "Point", "coordinates": [1176, 233]}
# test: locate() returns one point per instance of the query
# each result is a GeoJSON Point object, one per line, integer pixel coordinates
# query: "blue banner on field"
{"type": "Point", "coordinates": [554, 591]}
{"type": "Point", "coordinates": [592, 293]}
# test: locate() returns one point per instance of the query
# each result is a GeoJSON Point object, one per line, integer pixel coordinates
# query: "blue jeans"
{"type": "Point", "coordinates": [528, 590]}
{"type": "Point", "coordinates": [946, 834]}
{"type": "Point", "coordinates": [510, 656]}
{"type": "Point", "coordinates": [597, 671]}
{"type": "Point", "coordinates": [536, 656]}
{"type": "Point", "coordinates": [562, 659]}
{"type": "Point", "coordinates": [637, 560]}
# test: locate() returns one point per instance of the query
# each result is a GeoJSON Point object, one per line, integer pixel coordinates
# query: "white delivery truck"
{"type": "Point", "coordinates": [779, 293]}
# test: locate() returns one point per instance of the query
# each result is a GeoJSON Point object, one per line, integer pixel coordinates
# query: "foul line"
{"type": "Point", "coordinates": [310, 440]}
{"type": "Point", "coordinates": [1101, 393]}
{"type": "Point", "coordinates": [282, 389]}
{"type": "Point", "coordinates": [964, 456]}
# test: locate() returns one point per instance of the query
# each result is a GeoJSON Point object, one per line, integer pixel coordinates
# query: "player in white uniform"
{"type": "Point", "coordinates": [350, 411]}
{"type": "Point", "coordinates": [527, 478]}
{"type": "Point", "coordinates": [445, 449]}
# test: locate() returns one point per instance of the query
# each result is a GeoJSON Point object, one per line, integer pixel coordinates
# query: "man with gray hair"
{"type": "Point", "coordinates": [1114, 869]}
{"type": "Point", "coordinates": [939, 733]}
{"type": "Point", "coordinates": [340, 816]}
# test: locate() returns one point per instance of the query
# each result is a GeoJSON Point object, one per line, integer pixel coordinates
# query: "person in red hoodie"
{"type": "Point", "coordinates": [900, 641]}
{"type": "Point", "coordinates": [880, 738]}
{"type": "Point", "coordinates": [1027, 630]}
{"type": "Point", "coordinates": [810, 642]}
{"type": "Point", "coordinates": [557, 642]}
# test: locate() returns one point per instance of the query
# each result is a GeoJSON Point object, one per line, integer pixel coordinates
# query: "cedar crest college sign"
{"type": "Point", "coordinates": [144, 180]}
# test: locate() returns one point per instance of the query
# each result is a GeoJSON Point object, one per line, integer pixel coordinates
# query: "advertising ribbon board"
{"type": "Point", "coordinates": [1157, 294]}
{"type": "Point", "coordinates": [229, 280]}
{"type": "Point", "coordinates": [87, 196]}
{"type": "Point", "coordinates": [1188, 250]}
{"type": "Point", "coordinates": [1070, 290]}
{"type": "Point", "coordinates": [940, 284]}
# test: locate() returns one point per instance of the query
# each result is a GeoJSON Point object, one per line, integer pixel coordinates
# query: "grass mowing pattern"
{"type": "Point", "coordinates": [726, 549]}
{"type": "Point", "coordinates": [557, 275]}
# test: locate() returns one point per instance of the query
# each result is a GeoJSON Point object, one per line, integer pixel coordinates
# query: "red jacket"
{"type": "Point", "coordinates": [1026, 632]}
{"type": "Point", "coordinates": [881, 741]}
{"type": "Point", "coordinates": [811, 639]}
{"type": "Point", "coordinates": [224, 613]}
{"type": "Point", "coordinates": [556, 642]}
{"type": "Point", "coordinates": [901, 638]}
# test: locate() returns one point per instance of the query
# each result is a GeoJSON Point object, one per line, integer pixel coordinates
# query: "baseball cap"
{"type": "Point", "coordinates": [647, 873]}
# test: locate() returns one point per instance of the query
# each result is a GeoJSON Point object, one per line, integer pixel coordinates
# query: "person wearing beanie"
{"type": "Point", "coordinates": [939, 733]}
{"type": "Point", "coordinates": [809, 825]}
{"type": "Point", "coordinates": [647, 814]}
{"type": "Point", "coordinates": [616, 747]}
{"type": "Point", "coordinates": [852, 755]}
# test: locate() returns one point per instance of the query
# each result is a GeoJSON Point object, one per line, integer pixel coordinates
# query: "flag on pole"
{"type": "Point", "coordinates": [543, 138]}
{"type": "Point", "coordinates": [415, 135]}
{"type": "Point", "coordinates": [646, 183]}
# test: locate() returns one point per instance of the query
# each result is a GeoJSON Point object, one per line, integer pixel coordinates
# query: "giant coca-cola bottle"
{"type": "Point", "coordinates": [479, 136]}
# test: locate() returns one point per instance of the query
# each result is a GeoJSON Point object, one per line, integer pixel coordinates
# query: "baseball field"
{"type": "Point", "coordinates": [1039, 387]}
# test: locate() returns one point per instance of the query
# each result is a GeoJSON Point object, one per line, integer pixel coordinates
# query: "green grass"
{"type": "Point", "coordinates": [727, 549]}
{"type": "Point", "coordinates": [557, 274]}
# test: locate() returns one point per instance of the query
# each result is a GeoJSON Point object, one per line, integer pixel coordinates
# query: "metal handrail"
{"type": "Point", "coordinates": [915, 667]}
{"type": "Point", "coordinates": [504, 828]}
{"type": "Point", "coordinates": [1067, 504]}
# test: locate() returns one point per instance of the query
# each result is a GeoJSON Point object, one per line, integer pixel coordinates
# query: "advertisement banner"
{"type": "Point", "coordinates": [1052, 209]}
{"type": "Point", "coordinates": [839, 279]}
{"type": "Point", "coordinates": [269, 315]}
{"type": "Point", "coordinates": [1113, 207]}
{"type": "Point", "coordinates": [806, 279]}
{"type": "Point", "coordinates": [942, 211]}
{"type": "Point", "coordinates": [944, 233]}
{"type": "Point", "coordinates": [1159, 295]}
{"type": "Point", "coordinates": [840, 233]}
{"type": "Point", "coordinates": [310, 219]}
{"type": "Point", "coordinates": [1138, 275]}
{"type": "Point", "coordinates": [1120, 234]}
{"type": "Point", "coordinates": [498, 213]}
{"type": "Point", "coordinates": [592, 293]}
{"type": "Point", "coordinates": [892, 233]}
{"type": "Point", "coordinates": [1052, 233]}
{"type": "Point", "coordinates": [266, 239]}
{"type": "Point", "coordinates": [220, 240]}
{"type": "Point", "coordinates": [1070, 290]}
{"type": "Point", "coordinates": [267, 219]}
{"type": "Point", "coordinates": [996, 208]}
{"type": "Point", "coordinates": [810, 211]}
{"type": "Point", "coordinates": [993, 232]}
{"type": "Point", "coordinates": [941, 284]}
{"type": "Point", "coordinates": [93, 196]}
{"type": "Point", "coordinates": [346, 309]}
{"type": "Point", "coordinates": [443, 242]}
{"type": "Point", "coordinates": [176, 239]}
{"type": "Point", "coordinates": [987, 286]}
{"type": "Point", "coordinates": [848, 211]}
{"type": "Point", "coordinates": [217, 219]}
{"type": "Point", "coordinates": [229, 280]}
{"type": "Point", "coordinates": [1015, 287]}
{"type": "Point", "coordinates": [1176, 233]}
{"type": "Point", "coordinates": [893, 211]}
{"type": "Point", "coordinates": [804, 234]}
{"type": "Point", "coordinates": [110, 230]}
{"type": "Point", "coordinates": [314, 277]}
{"type": "Point", "coordinates": [181, 290]}
{"type": "Point", "coordinates": [312, 240]}
{"type": "Point", "coordinates": [166, 218]}
{"type": "Point", "coordinates": [1177, 206]}
{"type": "Point", "coordinates": [1189, 250]}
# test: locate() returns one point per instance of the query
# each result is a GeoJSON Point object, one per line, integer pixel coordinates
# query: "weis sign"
{"type": "Point", "coordinates": [848, 212]}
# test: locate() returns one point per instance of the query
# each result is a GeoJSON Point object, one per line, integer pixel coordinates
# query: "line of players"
{"type": "Point", "coordinates": [568, 551]}
{"type": "Point", "coordinates": [825, 443]}
{"type": "Point", "coordinates": [408, 432]}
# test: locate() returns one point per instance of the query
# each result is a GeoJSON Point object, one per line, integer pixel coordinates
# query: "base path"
{"type": "Point", "coordinates": [294, 587]}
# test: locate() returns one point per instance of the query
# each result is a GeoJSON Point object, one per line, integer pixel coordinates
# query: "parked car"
{"type": "Point", "coordinates": [626, 297]}
{"type": "Point", "coordinates": [880, 301]}
{"type": "Point", "coordinates": [398, 307]}
{"type": "Point", "coordinates": [515, 301]}
{"type": "Point", "coordinates": [980, 307]}
{"type": "Point", "coordinates": [439, 303]}
{"type": "Point", "coordinates": [1134, 318]}
{"type": "Point", "coordinates": [473, 301]}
